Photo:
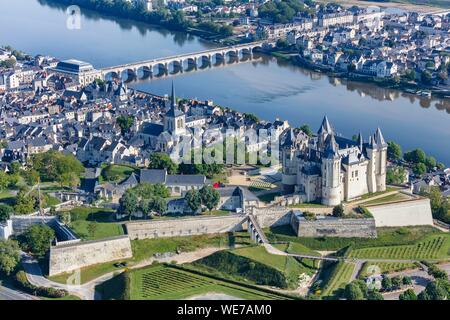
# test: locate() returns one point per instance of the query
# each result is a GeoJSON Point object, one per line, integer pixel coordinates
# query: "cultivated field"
{"type": "Point", "coordinates": [433, 247]}
{"type": "Point", "coordinates": [166, 283]}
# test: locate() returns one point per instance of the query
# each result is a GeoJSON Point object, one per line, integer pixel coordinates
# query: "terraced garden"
{"type": "Point", "coordinates": [338, 278]}
{"type": "Point", "coordinates": [166, 283]}
{"type": "Point", "coordinates": [385, 267]}
{"type": "Point", "coordinates": [433, 247]}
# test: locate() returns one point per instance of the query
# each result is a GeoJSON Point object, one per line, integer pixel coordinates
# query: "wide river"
{"type": "Point", "coordinates": [266, 87]}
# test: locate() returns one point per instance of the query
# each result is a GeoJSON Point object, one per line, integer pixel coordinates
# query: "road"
{"type": "Point", "coordinates": [10, 294]}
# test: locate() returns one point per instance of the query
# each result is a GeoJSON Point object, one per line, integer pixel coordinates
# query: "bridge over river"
{"type": "Point", "coordinates": [186, 62]}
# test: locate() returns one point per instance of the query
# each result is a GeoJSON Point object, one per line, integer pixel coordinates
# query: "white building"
{"type": "Point", "coordinates": [330, 168]}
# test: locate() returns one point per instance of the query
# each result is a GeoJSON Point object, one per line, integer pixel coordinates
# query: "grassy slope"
{"type": "Point", "coordinates": [339, 276]}
{"type": "Point", "coordinates": [82, 217]}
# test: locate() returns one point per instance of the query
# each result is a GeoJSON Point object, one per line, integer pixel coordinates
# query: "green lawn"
{"type": "Point", "coordinates": [146, 248]}
{"type": "Point", "coordinates": [116, 173]}
{"type": "Point", "coordinates": [374, 194]}
{"type": "Point", "coordinates": [432, 247]}
{"type": "Point", "coordinates": [296, 248]}
{"type": "Point", "coordinates": [384, 267]}
{"type": "Point", "coordinates": [289, 266]}
{"type": "Point", "coordinates": [338, 278]}
{"type": "Point", "coordinates": [7, 198]}
{"type": "Point", "coordinates": [83, 217]}
{"type": "Point", "coordinates": [166, 283]}
{"type": "Point", "coordinates": [389, 198]}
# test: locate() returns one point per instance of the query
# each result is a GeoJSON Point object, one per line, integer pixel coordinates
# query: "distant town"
{"type": "Point", "coordinates": [113, 193]}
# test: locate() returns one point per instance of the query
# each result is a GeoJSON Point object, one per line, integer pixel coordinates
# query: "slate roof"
{"type": "Point", "coordinates": [152, 176]}
{"type": "Point", "coordinates": [186, 180]}
{"type": "Point", "coordinates": [152, 129]}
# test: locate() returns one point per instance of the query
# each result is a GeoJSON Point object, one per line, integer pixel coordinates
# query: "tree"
{"type": "Point", "coordinates": [439, 203]}
{"type": "Point", "coordinates": [410, 75]}
{"type": "Point", "coordinates": [146, 206]}
{"type": "Point", "coordinates": [434, 291]}
{"type": "Point", "coordinates": [386, 283]}
{"type": "Point", "coordinates": [338, 211]}
{"type": "Point", "coordinates": [37, 239]}
{"type": "Point", "coordinates": [193, 200]}
{"type": "Point", "coordinates": [407, 281]}
{"type": "Point", "coordinates": [306, 129]}
{"type": "Point", "coordinates": [210, 197]}
{"type": "Point", "coordinates": [394, 151]}
{"type": "Point", "coordinates": [5, 212]}
{"type": "Point", "coordinates": [396, 175]}
{"type": "Point", "coordinates": [69, 179]}
{"type": "Point", "coordinates": [125, 123]}
{"type": "Point", "coordinates": [374, 295]}
{"type": "Point", "coordinates": [353, 292]}
{"type": "Point", "coordinates": [9, 256]}
{"type": "Point", "coordinates": [426, 77]}
{"type": "Point", "coordinates": [396, 282]}
{"type": "Point", "coordinates": [430, 162]}
{"type": "Point", "coordinates": [24, 203]}
{"type": "Point", "coordinates": [128, 203]}
{"type": "Point", "coordinates": [415, 156]}
{"type": "Point", "coordinates": [159, 205]}
{"type": "Point", "coordinates": [419, 168]}
{"type": "Point", "coordinates": [8, 63]}
{"type": "Point", "coordinates": [408, 295]}
{"type": "Point", "coordinates": [251, 117]}
{"type": "Point", "coordinates": [160, 160]}
{"type": "Point", "coordinates": [282, 43]}
{"type": "Point", "coordinates": [52, 165]}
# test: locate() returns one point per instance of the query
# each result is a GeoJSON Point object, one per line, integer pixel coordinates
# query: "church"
{"type": "Point", "coordinates": [328, 168]}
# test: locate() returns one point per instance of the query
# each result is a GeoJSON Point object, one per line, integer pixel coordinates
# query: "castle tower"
{"type": "Point", "coordinates": [331, 173]}
{"type": "Point", "coordinates": [289, 162]}
{"type": "Point", "coordinates": [323, 132]}
{"type": "Point", "coordinates": [376, 171]}
{"type": "Point", "coordinates": [174, 119]}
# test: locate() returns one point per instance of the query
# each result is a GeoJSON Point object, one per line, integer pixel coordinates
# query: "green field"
{"type": "Point", "coordinates": [433, 247]}
{"type": "Point", "coordinates": [94, 223]}
{"type": "Point", "coordinates": [165, 283]}
{"type": "Point", "coordinates": [338, 277]}
{"type": "Point", "coordinates": [385, 267]}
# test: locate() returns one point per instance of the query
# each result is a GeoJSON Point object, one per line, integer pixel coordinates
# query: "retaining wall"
{"type": "Point", "coordinates": [70, 257]}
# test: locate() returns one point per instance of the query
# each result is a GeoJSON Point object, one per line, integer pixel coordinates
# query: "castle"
{"type": "Point", "coordinates": [331, 169]}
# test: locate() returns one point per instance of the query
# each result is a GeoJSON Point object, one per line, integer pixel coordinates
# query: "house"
{"type": "Point", "coordinates": [177, 184]}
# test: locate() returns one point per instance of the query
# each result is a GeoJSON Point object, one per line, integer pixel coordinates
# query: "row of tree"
{"type": "Point", "coordinates": [206, 196]}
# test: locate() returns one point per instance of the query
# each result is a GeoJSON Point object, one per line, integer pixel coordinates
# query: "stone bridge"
{"type": "Point", "coordinates": [185, 62]}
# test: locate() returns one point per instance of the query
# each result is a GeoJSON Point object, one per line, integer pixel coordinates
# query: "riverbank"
{"type": "Point", "coordinates": [388, 83]}
{"type": "Point", "coordinates": [170, 20]}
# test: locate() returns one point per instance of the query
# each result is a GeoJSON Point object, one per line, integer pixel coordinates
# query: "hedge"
{"type": "Point", "coordinates": [49, 292]}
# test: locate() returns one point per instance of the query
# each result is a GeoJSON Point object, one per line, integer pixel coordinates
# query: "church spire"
{"type": "Point", "coordinates": [173, 97]}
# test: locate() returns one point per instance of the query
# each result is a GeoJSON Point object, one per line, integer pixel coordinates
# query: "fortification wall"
{"type": "Point", "coordinates": [272, 216]}
{"type": "Point", "coordinates": [184, 227]}
{"type": "Point", "coordinates": [334, 227]}
{"type": "Point", "coordinates": [69, 257]}
{"type": "Point", "coordinates": [405, 213]}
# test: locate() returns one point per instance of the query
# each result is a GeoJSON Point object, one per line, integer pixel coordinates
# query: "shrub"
{"type": "Point", "coordinates": [125, 280]}
{"type": "Point", "coordinates": [22, 281]}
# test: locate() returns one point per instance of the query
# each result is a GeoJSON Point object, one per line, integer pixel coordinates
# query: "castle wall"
{"type": "Point", "coordinates": [72, 256]}
{"type": "Point", "coordinates": [405, 213]}
{"type": "Point", "coordinates": [272, 216]}
{"type": "Point", "coordinates": [184, 226]}
{"type": "Point", "coordinates": [335, 227]}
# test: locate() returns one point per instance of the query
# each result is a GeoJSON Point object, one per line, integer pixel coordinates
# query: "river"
{"type": "Point", "coordinates": [267, 87]}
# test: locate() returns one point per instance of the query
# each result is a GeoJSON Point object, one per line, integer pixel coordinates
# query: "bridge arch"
{"type": "Point", "coordinates": [160, 69]}
{"type": "Point", "coordinates": [144, 72]}
{"type": "Point", "coordinates": [175, 66]}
